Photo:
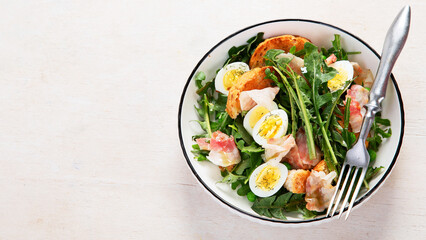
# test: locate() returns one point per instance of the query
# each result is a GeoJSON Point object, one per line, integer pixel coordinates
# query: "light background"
{"type": "Point", "coordinates": [89, 94]}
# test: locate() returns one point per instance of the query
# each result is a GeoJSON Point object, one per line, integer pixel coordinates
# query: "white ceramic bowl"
{"type": "Point", "coordinates": [320, 34]}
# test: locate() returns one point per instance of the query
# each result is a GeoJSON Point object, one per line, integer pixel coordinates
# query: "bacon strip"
{"type": "Point", "coordinates": [277, 148]}
{"type": "Point", "coordinates": [362, 77]}
{"type": "Point", "coordinates": [223, 150]}
{"type": "Point", "coordinates": [203, 143]}
{"type": "Point", "coordinates": [331, 59]}
{"type": "Point", "coordinates": [319, 190]}
{"type": "Point", "coordinates": [359, 97]}
{"type": "Point", "coordinates": [298, 157]}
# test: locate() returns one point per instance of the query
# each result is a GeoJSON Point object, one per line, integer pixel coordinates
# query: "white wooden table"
{"type": "Point", "coordinates": [89, 93]}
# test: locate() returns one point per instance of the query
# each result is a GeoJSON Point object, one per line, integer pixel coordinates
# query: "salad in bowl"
{"type": "Point", "coordinates": [273, 122]}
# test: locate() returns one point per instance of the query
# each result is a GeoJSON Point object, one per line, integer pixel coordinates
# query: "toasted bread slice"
{"type": "Point", "coordinates": [284, 42]}
{"type": "Point", "coordinates": [253, 79]}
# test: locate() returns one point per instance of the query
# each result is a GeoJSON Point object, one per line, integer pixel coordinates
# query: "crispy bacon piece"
{"type": "Point", "coordinates": [277, 148]}
{"type": "Point", "coordinates": [223, 150]}
{"type": "Point", "coordinates": [203, 143]}
{"type": "Point", "coordinates": [298, 157]}
{"type": "Point", "coordinates": [221, 142]}
{"type": "Point", "coordinates": [319, 190]}
{"type": "Point", "coordinates": [363, 77]}
{"type": "Point", "coordinates": [359, 97]}
{"type": "Point", "coordinates": [358, 93]}
{"type": "Point", "coordinates": [331, 59]}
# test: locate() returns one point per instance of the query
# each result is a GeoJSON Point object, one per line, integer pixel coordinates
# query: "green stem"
{"type": "Point", "coordinates": [204, 88]}
{"type": "Point", "coordinates": [206, 115]}
{"type": "Point", "coordinates": [327, 124]}
{"type": "Point", "coordinates": [223, 124]}
{"type": "Point", "coordinates": [293, 118]}
{"type": "Point", "coordinates": [327, 142]}
{"type": "Point", "coordinates": [287, 85]}
{"type": "Point", "coordinates": [297, 96]}
{"type": "Point", "coordinates": [308, 126]}
{"type": "Point", "coordinates": [347, 114]}
{"type": "Point", "coordinates": [283, 108]}
{"type": "Point", "coordinates": [324, 133]}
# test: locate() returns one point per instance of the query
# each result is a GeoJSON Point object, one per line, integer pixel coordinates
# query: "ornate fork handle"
{"type": "Point", "coordinates": [394, 42]}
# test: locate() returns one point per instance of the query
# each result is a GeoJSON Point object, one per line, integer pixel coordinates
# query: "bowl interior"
{"type": "Point", "coordinates": [321, 35]}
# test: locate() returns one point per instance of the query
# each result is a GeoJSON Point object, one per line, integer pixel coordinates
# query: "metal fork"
{"type": "Point", "coordinates": [357, 158]}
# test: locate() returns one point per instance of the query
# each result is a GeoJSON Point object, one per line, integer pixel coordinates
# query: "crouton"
{"type": "Point", "coordinates": [296, 180]}
{"type": "Point", "coordinates": [284, 42]}
{"type": "Point", "coordinates": [253, 79]}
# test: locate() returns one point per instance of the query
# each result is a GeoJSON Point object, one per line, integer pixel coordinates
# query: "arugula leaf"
{"type": "Point", "coordinates": [262, 205]}
{"type": "Point", "coordinates": [231, 178]}
{"type": "Point", "coordinates": [292, 50]}
{"type": "Point", "coordinates": [318, 73]}
{"type": "Point", "coordinates": [307, 214]}
{"type": "Point", "coordinates": [200, 155]}
{"type": "Point", "coordinates": [337, 49]}
{"type": "Point", "coordinates": [242, 131]}
{"type": "Point", "coordinates": [243, 190]}
{"type": "Point", "coordinates": [252, 148]}
{"type": "Point", "coordinates": [243, 53]}
{"type": "Point", "coordinates": [243, 165]}
{"type": "Point", "coordinates": [379, 130]}
{"type": "Point", "coordinates": [336, 98]}
{"type": "Point", "coordinates": [348, 137]}
{"type": "Point", "coordinates": [199, 78]}
{"type": "Point", "coordinates": [315, 65]}
{"type": "Point", "coordinates": [277, 205]}
{"type": "Point", "coordinates": [370, 174]}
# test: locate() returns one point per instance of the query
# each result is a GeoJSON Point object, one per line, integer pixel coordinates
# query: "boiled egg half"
{"type": "Point", "coordinates": [268, 178]}
{"type": "Point", "coordinates": [272, 125]}
{"type": "Point", "coordinates": [345, 72]}
{"type": "Point", "coordinates": [228, 76]}
{"type": "Point", "coordinates": [255, 114]}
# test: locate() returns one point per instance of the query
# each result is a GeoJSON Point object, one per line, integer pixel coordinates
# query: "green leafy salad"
{"type": "Point", "coordinates": [278, 123]}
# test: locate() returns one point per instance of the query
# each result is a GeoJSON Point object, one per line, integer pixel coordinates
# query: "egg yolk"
{"type": "Point", "coordinates": [268, 178]}
{"type": "Point", "coordinates": [257, 114]}
{"type": "Point", "coordinates": [338, 82]}
{"type": "Point", "coordinates": [269, 128]}
{"type": "Point", "coordinates": [231, 77]}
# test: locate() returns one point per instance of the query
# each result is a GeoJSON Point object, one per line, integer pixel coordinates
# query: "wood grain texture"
{"type": "Point", "coordinates": [88, 128]}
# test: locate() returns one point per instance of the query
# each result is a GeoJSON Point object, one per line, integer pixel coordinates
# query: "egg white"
{"type": "Point", "coordinates": [219, 77]}
{"type": "Point", "coordinates": [266, 193]}
{"type": "Point", "coordinates": [281, 131]}
{"type": "Point", "coordinates": [246, 121]}
{"type": "Point", "coordinates": [343, 67]}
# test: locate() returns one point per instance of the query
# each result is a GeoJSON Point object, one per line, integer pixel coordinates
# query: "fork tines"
{"type": "Point", "coordinates": [351, 172]}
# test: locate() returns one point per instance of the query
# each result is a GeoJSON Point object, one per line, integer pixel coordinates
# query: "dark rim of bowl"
{"type": "Point", "coordinates": [367, 195]}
